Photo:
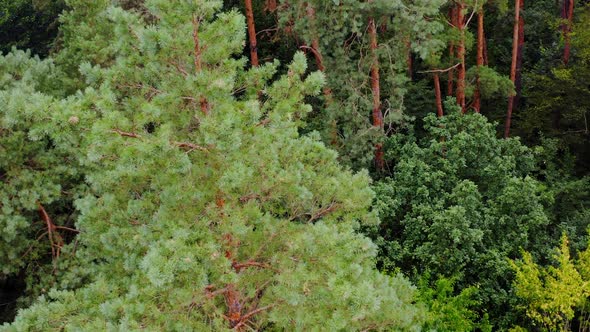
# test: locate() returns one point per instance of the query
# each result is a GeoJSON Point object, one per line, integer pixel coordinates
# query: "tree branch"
{"type": "Point", "coordinates": [183, 145]}
{"type": "Point", "coordinates": [440, 70]}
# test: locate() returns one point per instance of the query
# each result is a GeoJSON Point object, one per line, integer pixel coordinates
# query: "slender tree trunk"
{"type": "Point", "coordinates": [480, 59]}
{"type": "Point", "coordinates": [513, 66]}
{"type": "Point", "coordinates": [461, 55]}
{"type": "Point", "coordinates": [519, 58]}
{"type": "Point", "coordinates": [315, 49]}
{"type": "Point", "coordinates": [377, 114]}
{"type": "Point", "coordinates": [251, 33]}
{"type": "Point", "coordinates": [437, 93]}
{"type": "Point", "coordinates": [567, 14]}
{"type": "Point", "coordinates": [451, 74]}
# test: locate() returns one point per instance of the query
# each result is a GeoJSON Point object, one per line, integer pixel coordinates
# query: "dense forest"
{"type": "Point", "coordinates": [291, 165]}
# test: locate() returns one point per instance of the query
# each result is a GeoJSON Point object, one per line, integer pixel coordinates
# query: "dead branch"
{"type": "Point", "coordinates": [239, 266]}
{"type": "Point", "coordinates": [189, 146]}
{"type": "Point", "coordinates": [440, 70]}
{"type": "Point", "coordinates": [182, 145]}
{"type": "Point", "coordinates": [125, 134]}
{"type": "Point", "coordinates": [323, 212]}
{"type": "Point", "coordinates": [247, 316]}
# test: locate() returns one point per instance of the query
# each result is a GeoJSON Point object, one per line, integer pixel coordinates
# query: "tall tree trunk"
{"type": "Point", "coordinates": [377, 114]}
{"type": "Point", "coordinates": [451, 75]}
{"type": "Point", "coordinates": [461, 55]}
{"type": "Point", "coordinates": [519, 58]}
{"type": "Point", "coordinates": [567, 14]}
{"type": "Point", "coordinates": [251, 33]}
{"type": "Point", "coordinates": [437, 93]}
{"type": "Point", "coordinates": [513, 67]}
{"type": "Point", "coordinates": [480, 59]}
{"type": "Point", "coordinates": [317, 54]}
{"type": "Point", "coordinates": [315, 48]}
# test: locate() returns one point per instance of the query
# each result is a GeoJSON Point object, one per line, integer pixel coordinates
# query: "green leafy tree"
{"type": "Point", "coordinates": [554, 295]}
{"type": "Point", "coordinates": [448, 311]}
{"type": "Point", "coordinates": [459, 202]}
{"type": "Point", "coordinates": [207, 210]}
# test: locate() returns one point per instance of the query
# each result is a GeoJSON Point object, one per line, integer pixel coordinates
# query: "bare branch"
{"type": "Point", "coordinates": [125, 134]}
{"type": "Point", "coordinates": [247, 316]}
{"type": "Point", "coordinates": [189, 146]}
{"type": "Point", "coordinates": [440, 70]}
{"type": "Point", "coordinates": [182, 145]}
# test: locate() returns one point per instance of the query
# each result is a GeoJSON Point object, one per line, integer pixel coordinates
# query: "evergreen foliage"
{"type": "Point", "coordinates": [558, 96]}
{"type": "Point", "coordinates": [341, 30]}
{"type": "Point", "coordinates": [187, 225]}
{"type": "Point", "coordinates": [39, 169]}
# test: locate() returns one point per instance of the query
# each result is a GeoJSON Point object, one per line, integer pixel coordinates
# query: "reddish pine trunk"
{"type": "Point", "coordinates": [480, 59]}
{"type": "Point", "coordinates": [437, 93]}
{"type": "Point", "coordinates": [519, 57]}
{"type": "Point", "coordinates": [251, 33]}
{"type": "Point", "coordinates": [514, 64]}
{"type": "Point", "coordinates": [461, 55]}
{"type": "Point", "coordinates": [377, 114]}
{"type": "Point", "coordinates": [451, 75]}
{"type": "Point", "coordinates": [315, 49]}
{"type": "Point", "coordinates": [567, 13]}
{"type": "Point", "coordinates": [315, 43]}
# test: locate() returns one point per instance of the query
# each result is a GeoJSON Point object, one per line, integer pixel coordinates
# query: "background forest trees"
{"type": "Point", "coordinates": [215, 154]}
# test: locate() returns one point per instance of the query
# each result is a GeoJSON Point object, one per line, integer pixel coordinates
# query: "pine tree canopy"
{"type": "Point", "coordinates": [205, 208]}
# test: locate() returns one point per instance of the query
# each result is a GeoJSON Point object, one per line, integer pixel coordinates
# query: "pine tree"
{"type": "Point", "coordinates": [217, 220]}
{"type": "Point", "coordinates": [40, 175]}
{"type": "Point", "coordinates": [514, 66]}
{"type": "Point", "coordinates": [344, 34]}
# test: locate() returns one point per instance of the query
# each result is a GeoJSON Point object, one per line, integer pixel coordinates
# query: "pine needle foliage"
{"type": "Point", "coordinates": [206, 209]}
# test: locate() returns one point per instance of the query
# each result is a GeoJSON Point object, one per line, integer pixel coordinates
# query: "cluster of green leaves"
{"type": "Point", "coordinates": [448, 311]}
{"type": "Point", "coordinates": [555, 296]}
{"type": "Point", "coordinates": [458, 203]}
{"type": "Point", "coordinates": [205, 199]}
